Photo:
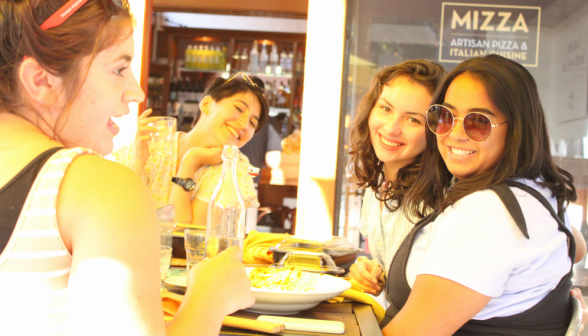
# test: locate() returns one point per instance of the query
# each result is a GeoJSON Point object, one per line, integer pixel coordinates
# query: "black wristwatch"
{"type": "Point", "coordinates": [186, 183]}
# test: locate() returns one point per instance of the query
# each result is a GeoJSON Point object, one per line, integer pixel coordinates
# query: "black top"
{"type": "Point", "coordinates": [14, 194]}
{"type": "Point", "coordinates": [266, 140]}
{"type": "Point", "coordinates": [550, 316]}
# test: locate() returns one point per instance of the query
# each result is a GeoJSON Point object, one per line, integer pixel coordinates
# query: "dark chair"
{"type": "Point", "coordinates": [271, 211]}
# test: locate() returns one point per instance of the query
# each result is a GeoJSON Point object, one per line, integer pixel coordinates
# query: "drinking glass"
{"type": "Point", "coordinates": [165, 256]}
{"type": "Point", "coordinates": [166, 234]}
{"type": "Point", "coordinates": [195, 244]}
{"type": "Point", "coordinates": [162, 141]}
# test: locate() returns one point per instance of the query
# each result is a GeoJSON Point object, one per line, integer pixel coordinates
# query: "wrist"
{"type": "Point", "coordinates": [188, 168]}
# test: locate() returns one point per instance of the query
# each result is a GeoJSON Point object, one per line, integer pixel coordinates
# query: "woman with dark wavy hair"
{"type": "Point", "coordinates": [496, 257]}
{"type": "Point", "coordinates": [387, 139]}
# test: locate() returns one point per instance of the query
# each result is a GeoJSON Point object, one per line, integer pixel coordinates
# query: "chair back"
{"type": "Point", "coordinates": [576, 317]}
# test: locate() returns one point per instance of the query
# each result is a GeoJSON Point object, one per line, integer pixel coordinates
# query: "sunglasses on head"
{"type": "Point", "coordinates": [67, 10]}
{"type": "Point", "coordinates": [245, 78]}
{"type": "Point", "coordinates": [476, 125]}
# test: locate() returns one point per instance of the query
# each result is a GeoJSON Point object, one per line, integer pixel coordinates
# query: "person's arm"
{"type": "Point", "coordinates": [199, 212]}
{"type": "Point", "coordinates": [193, 160]}
{"type": "Point", "coordinates": [436, 307]}
{"type": "Point", "coordinates": [107, 220]}
{"type": "Point", "coordinates": [580, 245]}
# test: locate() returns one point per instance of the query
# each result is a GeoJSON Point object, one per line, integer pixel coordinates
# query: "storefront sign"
{"type": "Point", "coordinates": [472, 30]}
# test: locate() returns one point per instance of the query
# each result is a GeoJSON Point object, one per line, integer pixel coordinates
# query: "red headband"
{"type": "Point", "coordinates": [62, 14]}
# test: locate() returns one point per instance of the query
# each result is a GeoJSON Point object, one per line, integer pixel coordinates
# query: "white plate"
{"type": "Point", "coordinates": [283, 302]}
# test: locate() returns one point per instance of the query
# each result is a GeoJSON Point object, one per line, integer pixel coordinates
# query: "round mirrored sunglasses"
{"type": "Point", "coordinates": [476, 125]}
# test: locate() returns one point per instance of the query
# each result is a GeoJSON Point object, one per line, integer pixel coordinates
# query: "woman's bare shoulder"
{"type": "Point", "coordinates": [103, 195]}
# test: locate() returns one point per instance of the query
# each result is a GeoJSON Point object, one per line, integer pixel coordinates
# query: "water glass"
{"type": "Point", "coordinates": [195, 244]}
{"type": "Point", "coordinates": [162, 141]}
{"type": "Point", "coordinates": [166, 231]}
{"type": "Point", "coordinates": [165, 256]}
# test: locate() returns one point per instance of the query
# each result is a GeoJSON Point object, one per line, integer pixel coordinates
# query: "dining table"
{"type": "Point", "coordinates": [359, 318]}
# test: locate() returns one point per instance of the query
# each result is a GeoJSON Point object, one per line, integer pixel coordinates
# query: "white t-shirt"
{"type": "Point", "coordinates": [385, 230]}
{"type": "Point", "coordinates": [476, 243]}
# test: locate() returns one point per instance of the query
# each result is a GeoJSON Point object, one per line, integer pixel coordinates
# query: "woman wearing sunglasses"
{"type": "Point", "coordinates": [231, 111]}
{"type": "Point", "coordinates": [387, 139]}
{"type": "Point", "coordinates": [497, 255]}
{"type": "Point", "coordinates": [78, 233]}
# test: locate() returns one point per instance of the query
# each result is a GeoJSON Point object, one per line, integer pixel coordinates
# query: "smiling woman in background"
{"type": "Point", "coordinates": [495, 258]}
{"type": "Point", "coordinates": [230, 113]}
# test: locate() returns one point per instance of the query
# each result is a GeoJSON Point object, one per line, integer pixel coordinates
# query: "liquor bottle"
{"type": "Point", "coordinates": [237, 60]}
{"type": "Point", "coordinates": [273, 58]}
{"type": "Point", "coordinates": [194, 55]}
{"type": "Point", "coordinates": [199, 91]}
{"type": "Point", "coordinates": [223, 60]}
{"type": "Point", "coordinates": [287, 94]}
{"type": "Point", "coordinates": [254, 59]}
{"type": "Point", "coordinates": [199, 57]}
{"type": "Point", "coordinates": [188, 57]}
{"type": "Point", "coordinates": [187, 90]}
{"type": "Point", "coordinates": [281, 96]}
{"type": "Point", "coordinates": [225, 221]}
{"type": "Point", "coordinates": [299, 62]}
{"type": "Point", "coordinates": [206, 59]}
{"type": "Point", "coordinates": [244, 60]}
{"type": "Point", "coordinates": [216, 60]}
{"type": "Point", "coordinates": [284, 61]}
{"type": "Point", "coordinates": [263, 59]}
{"type": "Point", "coordinates": [182, 91]}
{"type": "Point", "coordinates": [290, 60]}
{"type": "Point", "coordinates": [173, 90]}
{"type": "Point", "coordinates": [269, 93]}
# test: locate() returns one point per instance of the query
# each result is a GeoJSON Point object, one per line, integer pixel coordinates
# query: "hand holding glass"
{"type": "Point", "coordinates": [162, 141]}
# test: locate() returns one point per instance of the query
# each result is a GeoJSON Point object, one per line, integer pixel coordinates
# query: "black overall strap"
{"type": "Point", "coordinates": [557, 216]}
{"type": "Point", "coordinates": [397, 288]}
{"type": "Point", "coordinates": [512, 205]}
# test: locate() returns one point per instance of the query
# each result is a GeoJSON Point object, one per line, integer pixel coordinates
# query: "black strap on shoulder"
{"type": "Point", "coordinates": [512, 205]}
{"type": "Point", "coordinates": [557, 216]}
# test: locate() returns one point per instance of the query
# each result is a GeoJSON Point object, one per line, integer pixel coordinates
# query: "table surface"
{"type": "Point", "coordinates": [359, 320]}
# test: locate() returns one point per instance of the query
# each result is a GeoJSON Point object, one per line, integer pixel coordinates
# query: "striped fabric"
{"type": "Point", "coordinates": [385, 230]}
{"type": "Point", "coordinates": [35, 265]}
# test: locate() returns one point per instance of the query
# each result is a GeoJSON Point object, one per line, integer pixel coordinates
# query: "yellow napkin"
{"type": "Point", "coordinates": [171, 303]}
{"type": "Point", "coordinates": [358, 295]}
{"type": "Point", "coordinates": [256, 247]}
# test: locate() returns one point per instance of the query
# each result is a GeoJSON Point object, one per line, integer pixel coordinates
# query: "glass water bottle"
{"type": "Point", "coordinates": [225, 222]}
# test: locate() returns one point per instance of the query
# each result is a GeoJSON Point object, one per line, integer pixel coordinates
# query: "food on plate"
{"type": "Point", "coordinates": [285, 279]}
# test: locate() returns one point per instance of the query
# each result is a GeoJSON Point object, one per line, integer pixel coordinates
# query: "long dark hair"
{"type": "Point", "coordinates": [513, 91]}
{"type": "Point", "coordinates": [219, 89]}
{"type": "Point", "coordinates": [96, 26]}
{"type": "Point", "coordinates": [364, 164]}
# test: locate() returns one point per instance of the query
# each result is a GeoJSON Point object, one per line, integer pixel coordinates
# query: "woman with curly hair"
{"type": "Point", "coordinates": [387, 139]}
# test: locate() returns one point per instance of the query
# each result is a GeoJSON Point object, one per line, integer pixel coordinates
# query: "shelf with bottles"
{"type": "Point", "coordinates": [267, 58]}
{"type": "Point", "coordinates": [204, 54]}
